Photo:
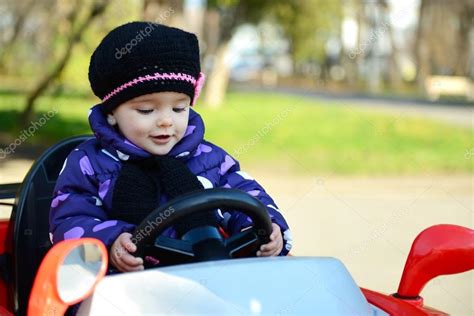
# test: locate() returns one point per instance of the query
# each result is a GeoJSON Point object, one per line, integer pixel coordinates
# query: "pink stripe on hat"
{"type": "Point", "coordinates": [198, 87]}
{"type": "Point", "coordinates": [198, 84]}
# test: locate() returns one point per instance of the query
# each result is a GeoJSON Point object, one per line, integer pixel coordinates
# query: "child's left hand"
{"type": "Point", "coordinates": [274, 247]}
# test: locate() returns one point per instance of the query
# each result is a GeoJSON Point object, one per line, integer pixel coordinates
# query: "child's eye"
{"type": "Point", "coordinates": [179, 110]}
{"type": "Point", "coordinates": [144, 111]}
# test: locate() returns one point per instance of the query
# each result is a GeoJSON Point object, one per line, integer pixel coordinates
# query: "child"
{"type": "Point", "coordinates": [148, 146]}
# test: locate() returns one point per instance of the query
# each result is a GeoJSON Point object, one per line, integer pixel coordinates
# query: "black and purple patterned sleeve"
{"type": "Point", "coordinates": [76, 208]}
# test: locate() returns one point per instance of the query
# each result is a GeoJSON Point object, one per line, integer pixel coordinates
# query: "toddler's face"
{"type": "Point", "coordinates": [154, 122]}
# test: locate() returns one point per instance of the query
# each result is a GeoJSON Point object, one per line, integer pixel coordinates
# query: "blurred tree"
{"type": "Point", "coordinates": [354, 17]}
{"type": "Point", "coordinates": [443, 42]}
{"type": "Point", "coordinates": [77, 27]}
{"type": "Point", "coordinates": [394, 75]}
{"type": "Point", "coordinates": [464, 10]}
{"type": "Point", "coordinates": [224, 16]}
{"type": "Point", "coordinates": [375, 56]}
{"type": "Point", "coordinates": [56, 30]}
{"type": "Point", "coordinates": [169, 12]}
{"type": "Point", "coordinates": [19, 12]}
{"type": "Point", "coordinates": [307, 24]}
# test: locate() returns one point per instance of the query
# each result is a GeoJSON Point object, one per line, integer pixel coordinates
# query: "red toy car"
{"type": "Point", "coordinates": [38, 279]}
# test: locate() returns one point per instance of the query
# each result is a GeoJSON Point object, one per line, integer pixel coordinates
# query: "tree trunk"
{"type": "Point", "coordinates": [97, 9]}
{"type": "Point", "coordinates": [394, 75]}
{"type": "Point", "coordinates": [465, 13]}
{"type": "Point", "coordinates": [374, 76]}
{"type": "Point", "coordinates": [218, 79]}
{"type": "Point", "coordinates": [211, 33]}
{"type": "Point", "coordinates": [422, 50]}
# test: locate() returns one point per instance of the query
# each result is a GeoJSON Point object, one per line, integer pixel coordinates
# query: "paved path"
{"type": "Point", "coordinates": [460, 114]}
{"type": "Point", "coordinates": [369, 223]}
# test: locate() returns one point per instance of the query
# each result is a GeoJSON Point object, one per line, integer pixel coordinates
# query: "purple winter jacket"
{"type": "Point", "coordinates": [82, 197]}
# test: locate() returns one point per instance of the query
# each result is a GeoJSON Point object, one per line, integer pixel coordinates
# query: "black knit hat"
{"type": "Point", "coordinates": [139, 58]}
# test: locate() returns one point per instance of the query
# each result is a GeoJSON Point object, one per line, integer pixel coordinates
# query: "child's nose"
{"type": "Point", "coordinates": [165, 121]}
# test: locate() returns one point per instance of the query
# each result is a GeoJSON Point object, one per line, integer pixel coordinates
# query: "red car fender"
{"type": "Point", "coordinates": [398, 307]}
{"type": "Point", "coordinates": [438, 250]}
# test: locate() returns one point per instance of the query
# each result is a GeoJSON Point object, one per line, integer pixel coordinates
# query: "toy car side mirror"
{"type": "Point", "coordinates": [438, 250]}
{"type": "Point", "coordinates": [67, 275]}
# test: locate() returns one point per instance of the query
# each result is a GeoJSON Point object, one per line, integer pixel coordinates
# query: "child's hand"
{"type": "Point", "coordinates": [120, 255]}
{"type": "Point", "coordinates": [274, 247]}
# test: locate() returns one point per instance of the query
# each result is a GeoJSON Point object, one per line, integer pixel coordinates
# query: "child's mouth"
{"type": "Point", "coordinates": [161, 139]}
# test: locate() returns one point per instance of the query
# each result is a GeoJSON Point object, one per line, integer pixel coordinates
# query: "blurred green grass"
{"type": "Point", "coordinates": [286, 132]}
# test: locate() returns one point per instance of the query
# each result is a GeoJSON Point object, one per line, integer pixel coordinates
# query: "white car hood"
{"type": "Point", "coordinates": [256, 286]}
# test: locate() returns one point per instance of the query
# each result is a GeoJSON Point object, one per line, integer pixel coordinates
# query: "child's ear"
{"type": "Point", "coordinates": [111, 119]}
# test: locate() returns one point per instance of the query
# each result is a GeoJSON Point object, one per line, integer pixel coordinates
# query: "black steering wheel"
{"type": "Point", "coordinates": [202, 243]}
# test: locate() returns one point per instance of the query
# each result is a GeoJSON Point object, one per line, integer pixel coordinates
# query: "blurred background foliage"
{"type": "Point", "coordinates": [352, 47]}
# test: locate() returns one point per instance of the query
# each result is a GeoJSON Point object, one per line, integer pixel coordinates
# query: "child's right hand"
{"type": "Point", "coordinates": [120, 255]}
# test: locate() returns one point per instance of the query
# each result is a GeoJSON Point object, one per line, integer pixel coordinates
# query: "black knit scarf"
{"type": "Point", "coordinates": [141, 183]}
